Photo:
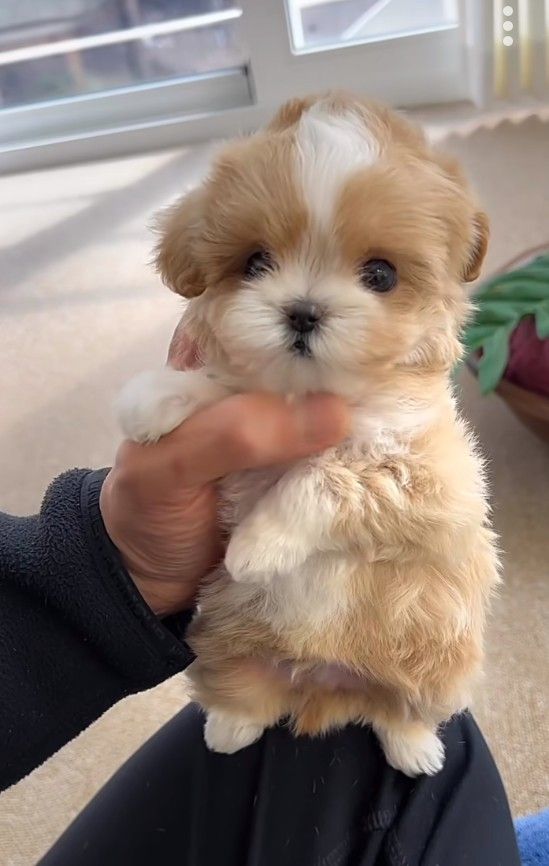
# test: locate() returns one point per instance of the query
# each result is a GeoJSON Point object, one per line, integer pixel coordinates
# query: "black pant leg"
{"type": "Point", "coordinates": [330, 801]}
{"type": "Point", "coordinates": [461, 816]}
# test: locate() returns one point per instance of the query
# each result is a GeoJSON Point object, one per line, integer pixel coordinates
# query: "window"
{"type": "Point", "coordinates": [87, 78]}
{"type": "Point", "coordinates": [65, 48]}
{"type": "Point", "coordinates": [320, 23]}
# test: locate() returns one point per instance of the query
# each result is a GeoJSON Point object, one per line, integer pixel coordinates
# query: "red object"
{"type": "Point", "coordinates": [528, 364]}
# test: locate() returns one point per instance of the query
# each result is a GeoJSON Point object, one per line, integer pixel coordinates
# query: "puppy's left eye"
{"type": "Point", "coordinates": [378, 275]}
{"type": "Point", "coordinates": [258, 264]}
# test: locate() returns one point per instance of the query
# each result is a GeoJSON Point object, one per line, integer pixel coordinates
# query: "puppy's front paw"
{"type": "Point", "coordinates": [258, 551]}
{"type": "Point", "coordinates": [414, 749]}
{"type": "Point", "coordinates": [153, 404]}
{"type": "Point", "coordinates": [228, 734]}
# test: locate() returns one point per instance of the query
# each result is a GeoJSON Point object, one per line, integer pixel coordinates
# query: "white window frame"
{"type": "Point", "coordinates": [226, 103]}
{"type": "Point", "coordinates": [82, 117]}
{"type": "Point", "coordinates": [434, 62]}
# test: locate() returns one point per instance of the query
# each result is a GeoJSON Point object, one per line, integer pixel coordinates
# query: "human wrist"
{"type": "Point", "coordinates": [163, 597]}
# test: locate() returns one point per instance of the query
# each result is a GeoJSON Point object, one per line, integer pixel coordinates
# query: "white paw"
{"type": "Point", "coordinates": [413, 751]}
{"type": "Point", "coordinates": [153, 404]}
{"type": "Point", "coordinates": [259, 550]}
{"type": "Point", "coordinates": [243, 563]}
{"type": "Point", "coordinates": [227, 734]}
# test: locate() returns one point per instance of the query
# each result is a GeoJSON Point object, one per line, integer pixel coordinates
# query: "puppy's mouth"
{"type": "Point", "coordinates": [301, 347]}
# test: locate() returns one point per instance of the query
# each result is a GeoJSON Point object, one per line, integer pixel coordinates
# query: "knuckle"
{"type": "Point", "coordinates": [126, 476]}
{"type": "Point", "coordinates": [123, 478]}
{"type": "Point", "coordinates": [126, 454]}
{"type": "Point", "coordinates": [125, 461]}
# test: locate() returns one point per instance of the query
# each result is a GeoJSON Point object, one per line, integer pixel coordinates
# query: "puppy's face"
{"type": "Point", "coordinates": [326, 251]}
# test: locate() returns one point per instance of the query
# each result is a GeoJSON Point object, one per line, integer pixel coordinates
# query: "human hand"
{"type": "Point", "coordinates": [159, 502]}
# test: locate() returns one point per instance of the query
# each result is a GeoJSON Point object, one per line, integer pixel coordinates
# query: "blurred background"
{"type": "Point", "coordinates": [74, 47]}
{"type": "Point", "coordinates": [89, 78]}
{"type": "Point", "coordinates": [109, 109]}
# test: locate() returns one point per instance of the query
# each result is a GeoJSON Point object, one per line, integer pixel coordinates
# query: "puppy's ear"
{"type": "Point", "coordinates": [481, 234]}
{"type": "Point", "coordinates": [176, 255]}
{"type": "Point", "coordinates": [289, 113]}
{"type": "Point", "coordinates": [472, 239]}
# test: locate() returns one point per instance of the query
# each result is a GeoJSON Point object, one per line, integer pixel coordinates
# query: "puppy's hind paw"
{"type": "Point", "coordinates": [414, 750]}
{"type": "Point", "coordinates": [228, 734]}
{"type": "Point", "coordinates": [153, 404]}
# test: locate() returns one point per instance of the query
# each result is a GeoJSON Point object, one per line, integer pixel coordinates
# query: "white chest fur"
{"type": "Point", "coordinates": [278, 519]}
{"type": "Point", "coordinates": [282, 523]}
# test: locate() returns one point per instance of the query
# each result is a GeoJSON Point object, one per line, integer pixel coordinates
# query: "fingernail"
{"type": "Point", "coordinates": [324, 420]}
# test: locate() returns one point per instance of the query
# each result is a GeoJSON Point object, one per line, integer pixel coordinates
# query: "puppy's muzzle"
{"type": "Point", "coordinates": [303, 318]}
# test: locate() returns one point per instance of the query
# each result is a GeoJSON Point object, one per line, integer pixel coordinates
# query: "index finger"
{"type": "Point", "coordinates": [246, 431]}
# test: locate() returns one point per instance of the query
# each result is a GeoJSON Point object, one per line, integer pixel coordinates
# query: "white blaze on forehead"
{"type": "Point", "coordinates": [330, 148]}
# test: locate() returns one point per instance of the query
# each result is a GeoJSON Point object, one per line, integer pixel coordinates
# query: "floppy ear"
{"type": "Point", "coordinates": [481, 234]}
{"type": "Point", "coordinates": [289, 113]}
{"type": "Point", "coordinates": [176, 256]}
{"type": "Point", "coordinates": [478, 244]}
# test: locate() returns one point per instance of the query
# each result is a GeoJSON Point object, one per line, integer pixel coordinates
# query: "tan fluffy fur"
{"type": "Point", "coordinates": [408, 547]}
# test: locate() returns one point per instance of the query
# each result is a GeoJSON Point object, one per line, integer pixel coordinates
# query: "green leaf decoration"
{"type": "Point", "coordinates": [501, 303]}
{"type": "Point", "coordinates": [542, 321]}
{"type": "Point", "coordinates": [494, 359]}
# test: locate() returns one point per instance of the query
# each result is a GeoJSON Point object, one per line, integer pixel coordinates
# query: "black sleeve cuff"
{"type": "Point", "coordinates": [162, 641]}
{"type": "Point", "coordinates": [75, 634]}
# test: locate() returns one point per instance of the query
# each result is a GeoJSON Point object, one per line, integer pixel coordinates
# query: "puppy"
{"type": "Point", "coordinates": [327, 253]}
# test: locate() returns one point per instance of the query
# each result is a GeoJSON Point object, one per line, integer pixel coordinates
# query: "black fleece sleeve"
{"type": "Point", "coordinates": [75, 634]}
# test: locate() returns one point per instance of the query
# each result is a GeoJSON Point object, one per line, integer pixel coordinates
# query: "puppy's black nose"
{"type": "Point", "coordinates": [303, 316]}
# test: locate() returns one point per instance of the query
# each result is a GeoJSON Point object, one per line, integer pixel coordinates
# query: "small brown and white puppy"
{"type": "Point", "coordinates": [327, 253]}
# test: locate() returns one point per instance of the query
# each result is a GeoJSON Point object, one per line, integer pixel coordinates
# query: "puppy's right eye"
{"type": "Point", "coordinates": [259, 264]}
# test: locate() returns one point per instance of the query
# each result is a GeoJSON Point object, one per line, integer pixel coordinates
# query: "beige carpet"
{"type": "Point", "coordinates": [81, 311]}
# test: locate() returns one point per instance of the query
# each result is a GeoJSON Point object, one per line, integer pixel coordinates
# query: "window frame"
{"type": "Point", "coordinates": [229, 102]}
